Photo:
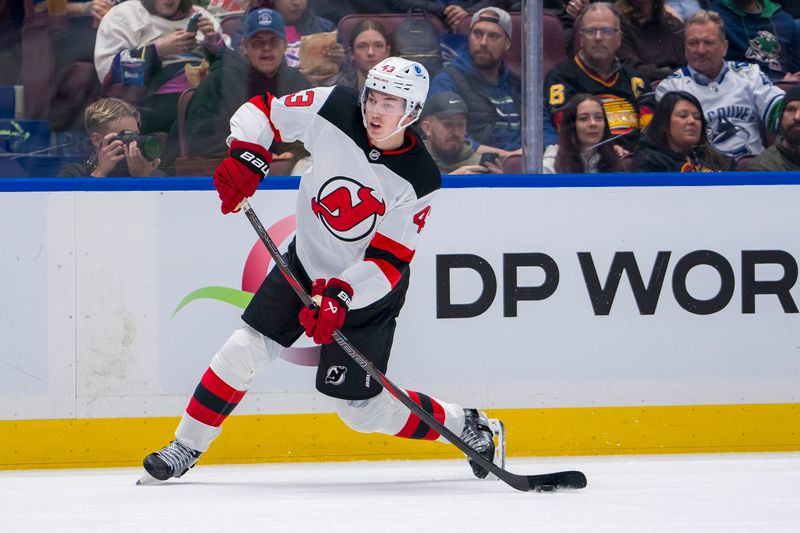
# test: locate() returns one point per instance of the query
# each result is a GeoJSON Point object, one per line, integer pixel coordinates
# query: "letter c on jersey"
{"type": "Point", "coordinates": [347, 209]}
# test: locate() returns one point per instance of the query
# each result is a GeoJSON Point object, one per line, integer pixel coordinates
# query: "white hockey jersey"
{"type": "Point", "coordinates": [360, 209]}
{"type": "Point", "coordinates": [736, 105]}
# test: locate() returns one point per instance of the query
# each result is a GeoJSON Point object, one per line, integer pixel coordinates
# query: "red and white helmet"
{"type": "Point", "coordinates": [402, 78]}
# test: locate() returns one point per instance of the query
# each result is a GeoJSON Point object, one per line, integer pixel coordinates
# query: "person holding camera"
{"type": "Point", "coordinates": [119, 150]}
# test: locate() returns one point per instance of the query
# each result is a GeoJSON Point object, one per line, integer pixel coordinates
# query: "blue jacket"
{"type": "Point", "coordinates": [770, 39]}
{"type": "Point", "coordinates": [495, 108]}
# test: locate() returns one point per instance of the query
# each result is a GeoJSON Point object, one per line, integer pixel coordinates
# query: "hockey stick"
{"type": "Point", "coordinates": [570, 479]}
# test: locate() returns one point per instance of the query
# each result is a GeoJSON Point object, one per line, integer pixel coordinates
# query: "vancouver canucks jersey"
{"type": "Point", "coordinates": [360, 209]}
{"type": "Point", "coordinates": [737, 104]}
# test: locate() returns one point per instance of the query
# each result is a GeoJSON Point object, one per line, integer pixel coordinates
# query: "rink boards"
{"type": "Point", "coordinates": [637, 314]}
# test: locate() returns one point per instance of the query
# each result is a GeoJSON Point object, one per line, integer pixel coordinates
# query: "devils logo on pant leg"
{"type": "Point", "coordinates": [347, 209]}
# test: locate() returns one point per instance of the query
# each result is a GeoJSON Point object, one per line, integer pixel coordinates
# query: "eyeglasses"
{"type": "Point", "coordinates": [604, 32]}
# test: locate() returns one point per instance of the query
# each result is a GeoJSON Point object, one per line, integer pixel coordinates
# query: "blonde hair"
{"type": "Point", "coordinates": [106, 110]}
{"type": "Point", "coordinates": [707, 17]}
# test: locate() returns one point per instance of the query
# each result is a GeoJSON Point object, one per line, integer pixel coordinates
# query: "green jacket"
{"type": "Point", "coordinates": [467, 157]}
{"type": "Point", "coordinates": [776, 157]}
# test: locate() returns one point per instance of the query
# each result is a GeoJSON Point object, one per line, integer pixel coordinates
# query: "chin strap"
{"type": "Point", "coordinates": [398, 129]}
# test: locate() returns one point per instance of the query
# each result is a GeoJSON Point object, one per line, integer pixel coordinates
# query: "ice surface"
{"type": "Point", "coordinates": [675, 493]}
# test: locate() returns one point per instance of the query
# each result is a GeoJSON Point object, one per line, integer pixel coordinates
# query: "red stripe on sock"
{"type": "Point", "coordinates": [214, 384]}
{"type": "Point", "coordinates": [413, 420]}
{"type": "Point", "coordinates": [438, 414]}
{"type": "Point", "coordinates": [203, 414]}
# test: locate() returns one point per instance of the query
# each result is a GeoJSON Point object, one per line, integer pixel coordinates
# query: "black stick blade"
{"type": "Point", "coordinates": [569, 479]}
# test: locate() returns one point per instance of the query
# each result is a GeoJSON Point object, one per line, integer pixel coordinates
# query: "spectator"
{"type": "Point", "coordinates": [444, 123]}
{"type": "Point", "coordinates": [300, 20]}
{"type": "Point", "coordinates": [785, 153]}
{"type": "Point", "coordinates": [581, 135]}
{"type": "Point", "coordinates": [675, 140]}
{"type": "Point", "coordinates": [455, 12]}
{"type": "Point", "coordinates": [737, 98]}
{"type": "Point", "coordinates": [596, 70]}
{"type": "Point", "coordinates": [258, 68]}
{"type": "Point", "coordinates": [492, 91]}
{"type": "Point", "coordinates": [369, 44]}
{"type": "Point", "coordinates": [145, 43]}
{"type": "Point", "coordinates": [105, 119]}
{"type": "Point", "coordinates": [760, 32]}
{"type": "Point", "coordinates": [652, 41]}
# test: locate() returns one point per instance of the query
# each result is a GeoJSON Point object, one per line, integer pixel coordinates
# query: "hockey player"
{"type": "Point", "coordinates": [360, 209]}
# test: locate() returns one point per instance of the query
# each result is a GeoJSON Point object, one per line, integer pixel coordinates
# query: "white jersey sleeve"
{"type": "Point", "coordinates": [766, 96]}
{"type": "Point", "coordinates": [264, 118]}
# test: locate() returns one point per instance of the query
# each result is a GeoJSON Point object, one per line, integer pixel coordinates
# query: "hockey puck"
{"type": "Point", "coordinates": [545, 488]}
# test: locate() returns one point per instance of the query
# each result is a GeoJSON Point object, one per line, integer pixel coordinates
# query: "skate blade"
{"type": "Point", "coordinates": [499, 431]}
{"type": "Point", "coordinates": [147, 479]}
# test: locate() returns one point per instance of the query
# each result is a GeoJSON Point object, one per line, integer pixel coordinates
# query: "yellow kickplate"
{"type": "Point", "coordinates": [323, 437]}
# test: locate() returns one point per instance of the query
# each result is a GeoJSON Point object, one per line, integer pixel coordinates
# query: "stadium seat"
{"type": "Point", "coordinates": [514, 57]}
{"type": "Point", "coordinates": [230, 23]}
{"type": "Point", "coordinates": [513, 164]}
{"type": "Point", "coordinates": [183, 105]}
{"type": "Point", "coordinates": [390, 21]}
{"type": "Point", "coordinates": [554, 49]}
{"type": "Point", "coordinates": [38, 64]}
{"type": "Point", "coordinates": [185, 165]}
{"type": "Point", "coordinates": [196, 166]}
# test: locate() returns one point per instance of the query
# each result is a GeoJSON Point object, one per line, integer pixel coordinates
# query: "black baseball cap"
{"type": "Point", "coordinates": [445, 104]}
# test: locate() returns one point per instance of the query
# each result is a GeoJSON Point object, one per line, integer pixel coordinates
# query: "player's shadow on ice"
{"type": "Point", "coordinates": [328, 488]}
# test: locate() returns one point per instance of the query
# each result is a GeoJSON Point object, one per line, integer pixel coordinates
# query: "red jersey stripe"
{"type": "Point", "coordinates": [395, 248]}
{"type": "Point", "coordinates": [219, 388]}
{"type": "Point", "coordinates": [265, 108]}
{"type": "Point", "coordinates": [391, 273]}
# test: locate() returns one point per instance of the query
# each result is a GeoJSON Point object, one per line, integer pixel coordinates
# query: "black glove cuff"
{"type": "Point", "coordinates": [251, 160]}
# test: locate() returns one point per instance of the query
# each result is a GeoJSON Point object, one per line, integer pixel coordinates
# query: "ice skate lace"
{"type": "Point", "coordinates": [177, 456]}
{"type": "Point", "coordinates": [475, 434]}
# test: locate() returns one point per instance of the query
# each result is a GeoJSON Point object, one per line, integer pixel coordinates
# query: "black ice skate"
{"type": "Point", "coordinates": [479, 433]}
{"type": "Point", "coordinates": [173, 460]}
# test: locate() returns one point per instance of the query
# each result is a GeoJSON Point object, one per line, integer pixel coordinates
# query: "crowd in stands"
{"type": "Point", "coordinates": [635, 85]}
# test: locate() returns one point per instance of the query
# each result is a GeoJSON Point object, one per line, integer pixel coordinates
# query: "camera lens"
{"type": "Point", "coordinates": [150, 146]}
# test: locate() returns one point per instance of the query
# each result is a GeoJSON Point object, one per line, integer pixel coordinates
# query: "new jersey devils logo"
{"type": "Point", "coordinates": [335, 375]}
{"type": "Point", "coordinates": [347, 209]}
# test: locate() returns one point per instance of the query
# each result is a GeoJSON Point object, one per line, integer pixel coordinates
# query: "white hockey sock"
{"type": "Point", "coordinates": [224, 385]}
{"type": "Point", "coordinates": [385, 414]}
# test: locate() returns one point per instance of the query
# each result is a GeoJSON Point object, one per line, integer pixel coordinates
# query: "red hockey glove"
{"type": "Point", "coordinates": [308, 315]}
{"type": "Point", "coordinates": [336, 297]}
{"type": "Point", "coordinates": [239, 174]}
